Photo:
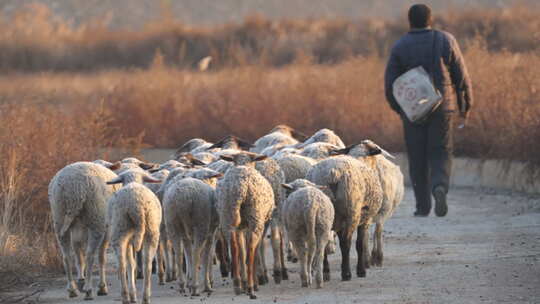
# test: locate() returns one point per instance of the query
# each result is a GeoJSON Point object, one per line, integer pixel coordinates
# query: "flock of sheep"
{"type": "Point", "coordinates": [219, 200]}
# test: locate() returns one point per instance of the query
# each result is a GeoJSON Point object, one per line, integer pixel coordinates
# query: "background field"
{"type": "Point", "coordinates": [69, 88]}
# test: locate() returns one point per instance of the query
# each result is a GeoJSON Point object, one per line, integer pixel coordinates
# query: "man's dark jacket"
{"type": "Point", "coordinates": [415, 49]}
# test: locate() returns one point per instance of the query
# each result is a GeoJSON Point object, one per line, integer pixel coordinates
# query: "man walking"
{"type": "Point", "coordinates": [429, 144]}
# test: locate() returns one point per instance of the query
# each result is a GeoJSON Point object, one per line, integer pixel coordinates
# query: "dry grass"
{"type": "Point", "coordinates": [40, 138]}
{"type": "Point", "coordinates": [34, 40]}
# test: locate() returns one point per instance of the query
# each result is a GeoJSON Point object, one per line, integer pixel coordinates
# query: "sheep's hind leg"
{"type": "Point", "coordinates": [131, 270]}
{"type": "Point", "coordinates": [377, 253]}
{"type": "Point", "coordinates": [65, 247]}
{"type": "Point", "coordinates": [149, 252]}
{"type": "Point", "coordinates": [345, 246]}
{"type": "Point", "coordinates": [102, 256]}
{"type": "Point", "coordinates": [254, 238]}
{"type": "Point", "coordinates": [362, 250]}
{"type": "Point", "coordinates": [95, 239]}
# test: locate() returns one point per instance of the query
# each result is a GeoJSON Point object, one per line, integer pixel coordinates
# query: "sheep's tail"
{"type": "Point", "coordinates": [68, 220]}
{"type": "Point", "coordinates": [139, 221]}
{"type": "Point", "coordinates": [310, 218]}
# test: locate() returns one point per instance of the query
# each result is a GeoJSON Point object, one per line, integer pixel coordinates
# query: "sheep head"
{"type": "Point", "coordinates": [232, 142]}
{"type": "Point", "coordinates": [133, 176]}
{"type": "Point", "coordinates": [289, 131]}
{"type": "Point", "coordinates": [243, 158]}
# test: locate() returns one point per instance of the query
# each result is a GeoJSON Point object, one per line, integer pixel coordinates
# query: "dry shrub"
{"type": "Point", "coordinates": [34, 40]}
{"type": "Point", "coordinates": [39, 140]}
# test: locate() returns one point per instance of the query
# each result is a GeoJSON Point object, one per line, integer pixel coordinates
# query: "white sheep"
{"type": "Point", "coordinates": [272, 171]}
{"type": "Point", "coordinates": [393, 188]}
{"type": "Point", "coordinates": [134, 220]}
{"type": "Point", "coordinates": [78, 198]}
{"type": "Point", "coordinates": [245, 204]}
{"type": "Point", "coordinates": [295, 166]}
{"type": "Point", "coordinates": [191, 220]}
{"type": "Point", "coordinates": [355, 191]}
{"type": "Point", "coordinates": [308, 215]}
{"type": "Point", "coordinates": [279, 135]}
{"type": "Point", "coordinates": [323, 135]}
{"type": "Point", "coordinates": [192, 146]}
{"type": "Point", "coordinates": [318, 150]}
{"type": "Point", "coordinates": [164, 257]}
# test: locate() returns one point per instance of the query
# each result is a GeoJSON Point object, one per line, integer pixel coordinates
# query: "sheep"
{"type": "Point", "coordinates": [78, 199]}
{"type": "Point", "coordinates": [164, 257]}
{"type": "Point", "coordinates": [271, 170]}
{"type": "Point", "coordinates": [318, 150]}
{"type": "Point", "coordinates": [191, 220]}
{"type": "Point", "coordinates": [245, 204]}
{"type": "Point", "coordinates": [356, 194]}
{"type": "Point", "coordinates": [279, 135]}
{"type": "Point", "coordinates": [323, 135]}
{"type": "Point", "coordinates": [134, 220]}
{"type": "Point", "coordinates": [295, 166]}
{"type": "Point", "coordinates": [391, 180]}
{"type": "Point", "coordinates": [308, 215]}
{"type": "Point", "coordinates": [192, 146]}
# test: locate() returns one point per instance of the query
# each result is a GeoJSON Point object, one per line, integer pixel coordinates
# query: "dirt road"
{"type": "Point", "coordinates": [486, 250]}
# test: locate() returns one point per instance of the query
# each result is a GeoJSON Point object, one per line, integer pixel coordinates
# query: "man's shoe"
{"type": "Point", "coordinates": [441, 208]}
{"type": "Point", "coordinates": [420, 214]}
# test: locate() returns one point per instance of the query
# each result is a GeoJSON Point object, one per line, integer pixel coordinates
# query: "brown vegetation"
{"type": "Point", "coordinates": [33, 40]}
{"type": "Point", "coordinates": [53, 118]}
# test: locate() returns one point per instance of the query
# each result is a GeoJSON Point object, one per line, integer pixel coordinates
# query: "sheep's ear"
{"type": "Point", "coordinates": [258, 157]}
{"type": "Point", "coordinates": [243, 144]}
{"type": "Point", "coordinates": [298, 135]}
{"type": "Point", "coordinates": [219, 144]}
{"type": "Point", "coordinates": [227, 158]}
{"type": "Point", "coordinates": [147, 166]}
{"type": "Point", "coordinates": [216, 175]}
{"type": "Point", "coordinates": [150, 179]}
{"type": "Point", "coordinates": [322, 188]}
{"type": "Point", "coordinates": [115, 166]}
{"type": "Point", "coordinates": [373, 149]}
{"type": "Point", "coordinates": [343, 151]}
{"type": "Point", "coordinates": [116, 180]}
{"type": "Point", "coordinates": [193, 160]}
{"type": "Point", "coordinates": [287, 186]}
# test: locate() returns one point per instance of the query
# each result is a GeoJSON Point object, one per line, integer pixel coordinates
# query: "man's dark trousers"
{"type": "Point", "coordinates": [429, 150]}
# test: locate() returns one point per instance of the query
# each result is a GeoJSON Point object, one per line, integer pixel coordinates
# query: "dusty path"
{"type": "Point", "coordinates": [486, 250]}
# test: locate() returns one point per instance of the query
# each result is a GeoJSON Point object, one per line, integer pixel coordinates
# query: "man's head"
{"type": "Point", "coordinates": [420, 16]}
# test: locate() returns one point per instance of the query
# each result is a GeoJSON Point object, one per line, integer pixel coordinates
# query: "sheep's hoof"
{"type": "Point", "coordinates": [146, 301]}
{"type": "Point", "coordinates": [102, 291]}
{"type": "Point", "coordinates": [346, 276]}
{"type": "Point", "coordinates": [361, 273]}
{"type": "Point", "coordinates": [376, 259]}
{"type": "Point", "coordinates": [284, 275]}
{"type": "Point", "coordinates": [277, 276]}
{"type": "Point", "coordinates": [168, 278]}
{"type": "Point", "coordinates": [263, 279]}
{"type": "Point", "coordinates": [73, 293]}
{"type": "Point", "coordinates": [208, 290]}
{"type": "Point", "coordinates": [139, 274]}
{"type": "Point", "coordinates": [238, 290]}
{"type": "Point", "coordinates": [305, 284]}
{"type": "Point", "coordinates": [80, 285]}
{"type": "Point", "coordinates": [252, 295]}
{"type": "Point", "coordinates": [326, 276]}
{"type": "Point", "coordinates": [88, 295]}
